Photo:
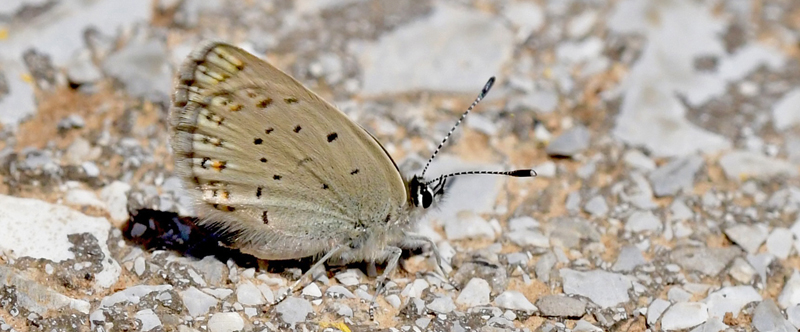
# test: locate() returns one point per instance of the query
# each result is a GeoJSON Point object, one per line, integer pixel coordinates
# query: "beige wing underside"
{"type": "Point", "coordinates": [270, 162]}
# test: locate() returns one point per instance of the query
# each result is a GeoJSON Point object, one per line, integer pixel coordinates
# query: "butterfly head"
{"type": "Point", "coordinates": [423, 194]}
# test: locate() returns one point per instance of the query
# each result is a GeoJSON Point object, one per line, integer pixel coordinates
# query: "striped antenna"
{"type": "Point", "coordinates": [483, 93]}
{"type": "Point", "coordinates": [520, 173]}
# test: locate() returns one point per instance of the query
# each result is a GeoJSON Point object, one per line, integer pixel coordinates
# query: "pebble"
{"type": "Point", "coordinates": [655, 310]}
{"type": "Point", "coordinates": [708, 261]}
{"type": "Point", "coordinates": [148, 318]}
{"type": "Point", "coordinates": [677, 294]}
{"type": "Point", "coordinates": [342, 309]}
{"type": "Point", "coordinates": [514, 300]}
{"type": "Point", "coordinates": [786, 112]}
{"type": "Point", "coordinates": [614, 291]}
{"type": "Point", "coordinates": [780, 242]}
{"type": "Point", "coordinates": [115, 195]}
{"type": "Point", "coordinates": [351, 277]}
{"type": "Point", "coordinates": [584, 326]}
{"type": "Point", "coordinates": [528, 238]}
{"type": "Point", "coordinates": [790, 295]}
{"type": "Point", "coordinates": [675, 176]}
{"type": "Point", "coordinates": [741, 271]}
{"type": "Point", "coordinates": [393, 300]}
{"type": "Point", "coordinates": [760, 263]}
{"type": "Point", "coordinates": [638, 160]}
{"type": "Point", "coordinates": [767, 317]}
{"type": "Point", "coordinates": [628, 259]}
{"type": "Point", "coordinates": [197, 302]}
{"type": "Point", "coordinates": [312, 290]}
{"type": "Point", "coordinates": [491, 44]}
{"type": "Point", "coordinates": [475, 293]}
{"type": "Point", "coordinates": [248, 294]}
{"type": "Point", "coordinates": [442, 305]}
{"type": "Point", "coordinates": [749, 237]}
{"type": "Point", "coordinates": [569, 143]}
{"type": "Point", "coordinates": [142, 67]}
{"type": "Point", "coordinates": [468, 225]}
{"type": "Point", "coordinates": [225, 322]}
{"type": "Point", "coordinates": [294, 310]}
{"type": "Point", "coordinates": [81, 69]}
{"type": "Point", "coordinates": [339, 291]}
{"type": "Point", "coordinates": [739, 165]}
{"type": "Point", "coordinates": [643, 221]}
{"type": "Point", "coordinates": [684, 315]}
{"type": "Point", "coordinates": [560, 306]}
{"type": "Point", "coordinates": [596, 206]}
{"type": "Point", "coordinates": [415, 288]}
{"type": "Point", "coordinates": [730, 299]}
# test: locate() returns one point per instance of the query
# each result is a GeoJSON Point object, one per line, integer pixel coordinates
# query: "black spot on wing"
{"type": "Point", "coordinates": [354, 172]}
{"type": "Point", "coordinates": [297, 129]}
{"type": "Point", "coordinates": [258, 141]}
{"type": "Point", "coordinates": [332, 137]}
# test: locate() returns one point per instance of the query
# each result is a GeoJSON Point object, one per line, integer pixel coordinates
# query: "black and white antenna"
{"type": "Point", "coordinates": [515, 173]}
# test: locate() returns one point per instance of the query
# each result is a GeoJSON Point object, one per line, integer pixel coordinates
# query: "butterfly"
{"type": "Point", "coordinates": [285, 175]}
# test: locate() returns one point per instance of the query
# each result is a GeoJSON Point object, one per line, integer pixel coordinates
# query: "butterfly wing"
{"type": "Point", "coordinates": [270, 162]}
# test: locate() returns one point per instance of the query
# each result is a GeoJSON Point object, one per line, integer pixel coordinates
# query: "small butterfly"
{"type": "Point", "coordinates": [286, 175]}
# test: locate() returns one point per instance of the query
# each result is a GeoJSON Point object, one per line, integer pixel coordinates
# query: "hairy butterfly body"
{"type": "Point", "coordinates": [284, 173]}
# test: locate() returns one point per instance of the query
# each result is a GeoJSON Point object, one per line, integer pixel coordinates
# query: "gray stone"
{"type": "Point", "coordinates": [741, 271]}
{"type": "Point", "coordinates": [642, 221]}
{"type": "Point", "coordinates": [675, 176]}
{"type": "Point", "coordinates": [570, 142]}
{"type": "Point", "coordinates": [749, 237]}
{"type": "Point", "coordinates": [596, 206]}
{"type": "Point", "coordinates": [730, 299]}
{"type": "Point", "coordinates": [793, 313]}
{"type": "Point", "coordinates": [786, 112]}
{"type": "Point", "coordinates": [767, 317]}
{"type": "Point", "coordinates": [760, 263]}
{"type": "Point", "coordinates": [197, 302]}
{"type": "Point", "coordinates": [684, 315]}
{"type": "Point", "coordinates": [739, 165]}
{"type": "Point", "coordinates": [628, 259]}
{"type": "Point", "coordinates": [514, 300]}
{"type": "Point", "coordinates": [143, 68]}
{"type": "Point", "coordinates": [790, 295]}
{"type": "Point", "coordinates": [544, 265]}
{"type": "Point", "coordinates": [605, 289]}
{"type": "Point", "coordinates": [438, 62]}
{"type": "Point", "coordinates": [248, 294]}
{"type": "Point", "coordinates": [148, 318]}
{"type": "Point", "coordinates": [571, 232]}
{"type": "Point", "coordinates": [779, 242]}
{"type": "Point", "coordinates": [37, 298]}
{"type": "Point", "coordinates": [708, 261]}
{"type": "Point", "coordinates": [677, 294]}
{"type": "Point", "coordinates": [655, 310]}
{"type": "Point", "coordinates": [442, 305]}
{"type": "Point", "coordinates": [528, 238]}
{"type": "Point", "coordinates": [476, 293]}
{"type": "Point", "coordinates": [560, 306]}
{"type": "Point", "coordinates": [69, 122]}
{"type": "Point", "coordinates": [342, 309]}
{"type": "Point", "coordinates": [225, 322]}
{"type": "Point", "coordinates": [294, 310]}
{"type": "Point", "coordinates": [638, 160]}
{"type": "Point", "coordinates": [81, 69]}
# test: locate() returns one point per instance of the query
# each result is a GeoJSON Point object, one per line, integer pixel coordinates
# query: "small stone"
{"type": "Point", "coordinates": [197, 302]}
{"type": "Point", "coordinates": [643, 221]}
{"type": "Point", "coordinates": [339, 291]}
{"type": "Point", "coordinates": [793, 313]}
{"type": "Point", "coordinates": [638, 160]}
{"type": "Point", "coordinates": [570, 142]}
{"type": "Point", "coordinates": [584, 326]}
{"type": "Point", "coordinates": [708, 261]}
{"type": "Point", "coordinates": [684, 315]}
{"type": "Point", "coordinates": [139, 265]}
{"type": "Point", "coordinates": [749, 237]}
{"type": "Point", "coordinates": [596, 206]}
{"type": "Point", "coordinates": [225, 322]}
{"type": "Point", "coordinates": [779, 242]}
{"type": "Point", "coordinates": [342, 310]}
{"type": "Point", "coordinates": [115, 195]}
{"type": "Point", "coordinates": [393, 300]}
{"type": "Point", "coordinates": [148, 318]}
{"type": "Point", "coordinates": [675, 176]}
{"type": "Point", "coordinates": [741, 271]}
{"type": "Point", "coordinates": [560, 306]}
{"type": "Point", "coordinates": [528, 238]}
{"type": "Point", "coordinates": [730, 299]}
{"type": "Point", "coordinates": [476, 293]}
{"type": "Point", "coordinates": [786, 112]}
{"type": "Point", "coordinates": [468, 225]}
{"type": "Point", "coordinates": [81, 69]}
{"type": "Point", "coordinates": [628, 259]}
{"type": "Point", "coordinates": [790, 295]}
{"type": "Point", "coordinates": [415, 288]}
{"type": "Point", "coordinates": [248, 294]}
{"type": "Point", "coordinates": [740, 165]}
{"type": "Point", "coordinates": [442, 305]}
{"type": "Point", "coordinates": [654, 311]}
{"type": "Point", "coordinates": [767, 317]}
{"type": "Point", "coordinates": [350, 277]}
{"type": "Point", "coordinates": [294, 310]}
{"type": "Point", "coordinates": [90, 169]}
{"type": "Point", "coordinates": [70, 122]}
{"type": "Point", "coordinates": [312, 290]}
{"type": "Point", "coordinates": [614, 291]}
{"type": "Point", "coordinates": [514, 300]}
{"type": "Point", "coordinates": [142, 67]}
{"type": "Point", "coordinates": [760, 263]}
{"type": "Point", "coordinates": [677, 294]}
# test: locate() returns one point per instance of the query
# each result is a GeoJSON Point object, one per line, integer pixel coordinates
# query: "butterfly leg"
{"type": "Point", "coordinates": [412, 238]}
{"type": "Point", "coordinates": [308, 273]}
{"type": "Point", "coordinates": [393, 256]}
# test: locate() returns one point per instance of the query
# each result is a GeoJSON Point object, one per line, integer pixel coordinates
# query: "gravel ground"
{"type": "Point", "coordinates": [666, 136]}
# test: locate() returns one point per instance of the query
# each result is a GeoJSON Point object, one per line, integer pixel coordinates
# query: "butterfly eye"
{"type": "Point", "coordinates": [427, 198]}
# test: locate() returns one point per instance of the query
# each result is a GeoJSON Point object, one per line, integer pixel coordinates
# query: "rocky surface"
{"type": "Point", "coordinates": [666, 136]}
